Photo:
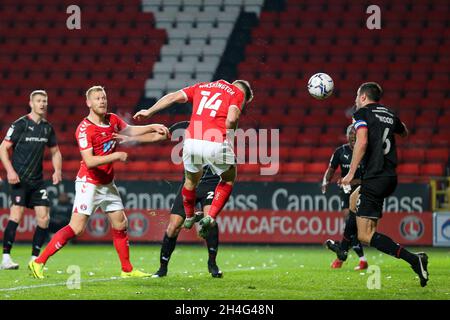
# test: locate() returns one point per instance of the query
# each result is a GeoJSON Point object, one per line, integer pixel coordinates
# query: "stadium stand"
{"type": "Point", "coordinates": [159, 46]}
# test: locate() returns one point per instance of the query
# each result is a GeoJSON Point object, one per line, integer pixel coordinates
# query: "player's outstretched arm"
{"type": "Point", "coordinates": [140, 130]}
{"type": "Point", "coordinates": [95, 161]}
{"type": "Point", "coordinates": [161, 104]}
{"type": "Point", "coordinates": [13, 177]}
{"type": "Point", "coordinates": [57, 164]}
{"type": "Point", "coordinates": [145, 138]}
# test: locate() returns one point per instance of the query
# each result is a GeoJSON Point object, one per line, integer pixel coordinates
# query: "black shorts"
{"type": "Point", "coordinates": [29, 194]}
{"type": "Point", "coordinates": [345, 198]}
{"type": "Point", "coordinates": [204, 193]}
{"type": "Point", "coordinates": [372, 194]}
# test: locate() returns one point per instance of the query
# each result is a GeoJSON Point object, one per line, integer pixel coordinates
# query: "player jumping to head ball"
{"type": "Point", "coordinates": [216, 109]}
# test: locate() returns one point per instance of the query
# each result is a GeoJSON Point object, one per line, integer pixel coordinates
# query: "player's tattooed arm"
{"type": "Point", "coordinates": [161, 104]}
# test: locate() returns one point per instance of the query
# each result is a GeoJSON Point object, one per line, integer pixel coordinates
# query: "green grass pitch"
{"type": "Point", "coordinates": [250, 272]}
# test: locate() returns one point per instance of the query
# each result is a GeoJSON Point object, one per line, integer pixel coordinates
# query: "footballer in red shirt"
{"type": "Point", "coordinates": [94, 185]}
{"type": "Point", "coordinates": [216, 109]}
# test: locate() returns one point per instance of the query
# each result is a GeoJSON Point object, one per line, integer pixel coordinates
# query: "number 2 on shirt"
{"type": "Point", "coordinates": [211, 103]}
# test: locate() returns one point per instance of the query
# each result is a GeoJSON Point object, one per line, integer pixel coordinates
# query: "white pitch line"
{"type": "Point", "coordinates": [45, 285]}
{"type": "Point", "coordinates": [56, 284]}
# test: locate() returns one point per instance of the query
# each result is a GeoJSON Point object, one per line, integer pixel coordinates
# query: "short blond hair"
{"type": "Point", "coordinates": [38, 92]}
{"type": "Point", "coordinates": [94, 89]}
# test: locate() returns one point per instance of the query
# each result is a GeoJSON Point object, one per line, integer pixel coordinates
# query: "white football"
{"type": "Point", "coordinates": [320, 86]}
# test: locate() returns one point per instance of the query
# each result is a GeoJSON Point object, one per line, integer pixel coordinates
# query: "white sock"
{"type": "Point", "coordinates": [6, 257]}
{"type": "Point", "coordinates": [33, 258]}
{"type": "Point", "coordinates": [363, 259]}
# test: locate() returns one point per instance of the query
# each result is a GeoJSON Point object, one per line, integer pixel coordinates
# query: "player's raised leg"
{"type": "Point", "coordinates": [9, 237]}
{"type": "Point", "coordinates": [367, 233]}
{"type": "Point", "coordinates": [76, 226]}
{"type": "Point", "coordinates": [221, 196]}
{"type": "Point", "coordinates": [188, 192]}
{"type": "Point", "coordinates": [119, 224]}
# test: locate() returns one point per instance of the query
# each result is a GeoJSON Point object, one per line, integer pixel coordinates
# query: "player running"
{"type": "Point", "coordinates": [376, 127]}
{"type": "Point", "coordinates": [205, 194]}
{"type": "Point", "coordinates": [216, 109]}
{"type": "Point", "coordinates": [27, 137]}
{"type": "Point", "coordinates": [94, 185]}
{"type": "Point", "coordinates": [342, 157]}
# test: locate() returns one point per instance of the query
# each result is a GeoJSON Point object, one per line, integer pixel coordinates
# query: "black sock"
{"type": "Point", "coordinates": [40, 235]}
{"type": "Point", "coordinates": [350, 231]}
{"type": "Point", "coordinates": [212, 241]}
{"type": "Point", "coordinates": [167, 248]}
{"type": "Point", "coordinates": [9, 236]}
{"type": "Point", "coordinates": [357, 246]}
{"type": "Point", "coordinates": [387, 245]}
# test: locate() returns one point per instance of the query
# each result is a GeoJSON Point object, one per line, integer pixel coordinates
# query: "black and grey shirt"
{"type": "Point", "coordinates": [29, 140]}
{"type": "Point", "coordinates": [343, 157]}
{"type": "Point", "coordinates": [380, 159]}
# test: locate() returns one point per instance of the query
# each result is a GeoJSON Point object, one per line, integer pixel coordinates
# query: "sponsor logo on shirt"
{"type": "Point", "coordinates": [107, 146]}
{"type": "Point", "coordinates": [34, 139]}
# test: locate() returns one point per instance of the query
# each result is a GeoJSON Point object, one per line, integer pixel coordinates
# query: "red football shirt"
{"type": "Point", "coordinates": [211, 101]}
{"type": "Point", "coordinates": [98, 138]}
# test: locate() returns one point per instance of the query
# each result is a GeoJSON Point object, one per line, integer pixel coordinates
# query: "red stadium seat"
{"type": "Point", "coordinates": [437, 155]}
{"type": "Point", "coordinates": [292, 168]}
{"type": "Point", "coordinates": [300, 154]}
{"type": "Point", "coordinates": [411, 169]}
{"type": "Point", "coordinates": [413, 155]}
{"type": "Point", "coordinates": [432, 169]}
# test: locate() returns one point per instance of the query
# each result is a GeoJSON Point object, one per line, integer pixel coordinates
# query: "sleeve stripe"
{"type": "Point", "coordinates": [360, 123]}
{"type": "Point", "coordinates": [185, 95]}
{"type": "Point", "coordinates": [361, 127]}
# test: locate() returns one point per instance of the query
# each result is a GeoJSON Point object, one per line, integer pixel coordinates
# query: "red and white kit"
{"type": "Point", "coordinates": [206, 140]}
{"type": "Point", "coordinates": [95, 187]}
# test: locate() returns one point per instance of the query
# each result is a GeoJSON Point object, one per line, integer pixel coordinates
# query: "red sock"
{"type": "Point", "coordinates": [221, 195]}
{"type": "Point", "coordinates": [188, 201]}
{"type": "Point", "coordinates": [120, 239]}
{"type": "Point", "coordinates": [58, 241]}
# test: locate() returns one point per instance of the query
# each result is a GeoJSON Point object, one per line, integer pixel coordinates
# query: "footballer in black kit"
{"type": "Point", "coordinates": [27, 137]}
{"type": "Point", "coordinates": [376, 126]}
{"type": "Point", "coordinates": [205, 195]}
{"type": "Point", "coordinates": [342, 158]}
